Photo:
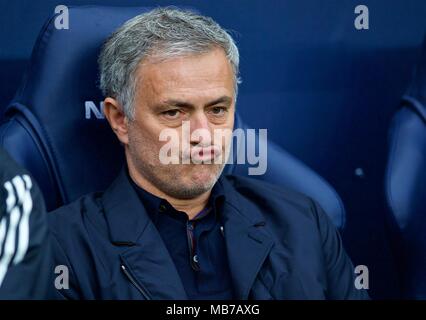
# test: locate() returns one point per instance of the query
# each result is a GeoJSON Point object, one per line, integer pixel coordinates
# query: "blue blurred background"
{"type": "Point", "coordinates": [324, 90]}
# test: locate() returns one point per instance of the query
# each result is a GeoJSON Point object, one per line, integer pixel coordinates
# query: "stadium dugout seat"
{"type": "Point", "coordinates": [405, 185]}
{"type": "Point", "coordinates": [55, 128]}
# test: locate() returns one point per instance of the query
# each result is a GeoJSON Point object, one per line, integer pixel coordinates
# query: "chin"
{"type": "Point", "coordinates": [206, 175]}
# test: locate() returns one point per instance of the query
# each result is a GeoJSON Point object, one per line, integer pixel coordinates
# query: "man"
{"type": "Point", "coordinates": [24, 244]}
{"type": "Point", "coordinates": [177, 229]}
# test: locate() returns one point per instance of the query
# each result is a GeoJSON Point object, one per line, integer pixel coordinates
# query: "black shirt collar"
{"type": "Point", "coordinates": [155, 205]}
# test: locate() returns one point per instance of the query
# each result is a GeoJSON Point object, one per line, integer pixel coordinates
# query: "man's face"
{"type": "Point", "coordinates": [198, 89]}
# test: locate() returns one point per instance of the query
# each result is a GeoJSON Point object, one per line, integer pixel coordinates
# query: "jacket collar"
{"type": "Point", "coordinates": [142, 251]}
{"type": "Point", "coordinates": [125, 216]}
{"type": "Point", "coordinates": [247, 242]}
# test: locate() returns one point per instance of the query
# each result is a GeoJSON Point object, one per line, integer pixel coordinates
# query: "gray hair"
{"type": "Point", "coordinates": [161, 33]}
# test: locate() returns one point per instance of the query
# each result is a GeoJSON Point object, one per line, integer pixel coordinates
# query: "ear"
{"type": "Point", "coordinates": [117, 119]}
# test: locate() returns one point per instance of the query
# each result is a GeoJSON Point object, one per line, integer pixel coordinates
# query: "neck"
{"type": "Point", "coordinates": [190, 206]}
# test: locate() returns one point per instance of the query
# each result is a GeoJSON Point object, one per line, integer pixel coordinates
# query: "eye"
{"type": "Point", "coordinates": [172, 114]}
{"type": "Point", "coordinates": [218, 111]}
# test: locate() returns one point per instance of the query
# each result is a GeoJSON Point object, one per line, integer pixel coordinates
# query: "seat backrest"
{"type": "Point", "coordinates": [56, 129]}
{"type": "Point", "coordinates": [405, 184]}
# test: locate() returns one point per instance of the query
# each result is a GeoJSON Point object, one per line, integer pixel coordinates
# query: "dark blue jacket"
{"type": "Point", "coordinates": [280, 245]}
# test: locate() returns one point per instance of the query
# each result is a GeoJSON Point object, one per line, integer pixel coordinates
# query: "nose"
{"type": "Point", "coordinates": [200, 129]}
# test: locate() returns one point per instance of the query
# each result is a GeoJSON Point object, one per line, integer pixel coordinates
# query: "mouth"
{"type": "Point", "coordinates": [205, 154]}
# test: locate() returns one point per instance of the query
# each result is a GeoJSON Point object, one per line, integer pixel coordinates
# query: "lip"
{"type": "Point", "coordinates": [204, 154]}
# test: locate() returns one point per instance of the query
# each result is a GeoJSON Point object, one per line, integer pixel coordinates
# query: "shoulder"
{"type": "Point", "coordinates": [277, 204]}
{"type": "Point", "coordinates": [13, 174]}
{"type": "Point", "coordinates": [266, 193]}
{"type": "Point", "coordinates": [9, 168]}
{"type": "Point", "coordinates": [255, 187]}
{"type": "Point", "coordinates": [18, 186]}
{"type": "Point", "coordinates": [75, 215]}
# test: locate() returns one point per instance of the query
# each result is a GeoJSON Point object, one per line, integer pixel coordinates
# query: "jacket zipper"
{"type": "Point", "coordinates": [133, 281]}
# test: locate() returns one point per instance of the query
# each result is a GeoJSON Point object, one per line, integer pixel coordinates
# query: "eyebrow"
{"type": "Point", "coordinates": [183, 104]}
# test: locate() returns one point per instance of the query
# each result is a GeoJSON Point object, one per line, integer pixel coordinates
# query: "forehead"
{"type": "Point", "coordinates": [207, 74]}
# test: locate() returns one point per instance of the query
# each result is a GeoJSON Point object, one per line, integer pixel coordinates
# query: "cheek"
{"type": "Point", "coordinates": [144, 138]}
